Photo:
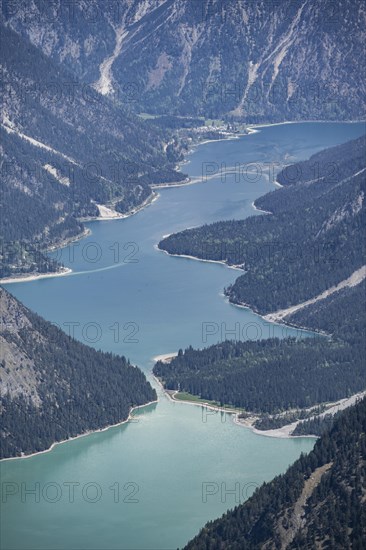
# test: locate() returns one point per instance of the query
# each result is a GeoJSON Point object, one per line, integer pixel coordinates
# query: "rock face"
{"type": "Point", "coordinates": [18, 372]}
{"type": "Point", "coordinates": [265, 60]}
{"type": "Point", "coordinates": [53, 387]}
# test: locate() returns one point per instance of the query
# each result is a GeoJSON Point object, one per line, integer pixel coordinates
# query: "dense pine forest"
{"type": "Point", "coordinates": [269, 376]}
{"type": "Point", "coordinates": [317, 425]}
{"type": "Point", "coordinates": [317, 503]}
{"type": "Point", "coordinates": [54, 387]}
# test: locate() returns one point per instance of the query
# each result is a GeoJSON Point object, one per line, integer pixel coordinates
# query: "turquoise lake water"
{"type": "Point", "coordinates": [154, 482]}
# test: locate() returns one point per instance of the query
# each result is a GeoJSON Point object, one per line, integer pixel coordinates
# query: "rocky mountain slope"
{"type": "Point", "coordinates": [65, 149]}
{"type": "Point", "coordinates": [53, 387]}
{"type": "Point", "coordinates": [265, 60]}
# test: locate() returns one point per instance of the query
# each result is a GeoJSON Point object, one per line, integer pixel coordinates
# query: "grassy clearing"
{"type": "Point", "coordinates": [185, 396]}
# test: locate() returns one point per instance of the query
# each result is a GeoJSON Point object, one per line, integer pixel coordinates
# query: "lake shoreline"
{"type": "Point", "coordinates": [63, 271]}
{"type": "Point", "coordinates": [269, 124]}
{"type": "Point", "coordinates": [278, 433]}
{"type": "Point", "coordinates": [260, 209]}
{"type": "Point", "coordinates": [243, 305]}
{"type": "Point", "coordinates": [119, 215]}
{"type": "Point", "coordinates": [32, 277]}
{"type": "Point", "coordinates": [284, 432]}
{"type": "Point", "coordinates": [85, 434]}
{"type": "Point", "coordinates": [251, 129]}
{"type": "Point", "coordinates": [278, 321]}
{"type": "Point", "coordinates": [29, 277]}
{"type": "Point", "coordinates": [186, 256]}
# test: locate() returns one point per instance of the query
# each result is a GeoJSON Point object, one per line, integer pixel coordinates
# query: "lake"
{"type": "Point", "coordinates": [154, 482]}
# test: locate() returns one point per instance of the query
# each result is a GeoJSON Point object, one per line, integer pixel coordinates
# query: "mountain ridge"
{"type": "Point", "coordinates": [264, 58]}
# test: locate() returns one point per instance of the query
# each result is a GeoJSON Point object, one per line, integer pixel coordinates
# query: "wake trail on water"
{"type": "Point", "coordinates": [98, 270]}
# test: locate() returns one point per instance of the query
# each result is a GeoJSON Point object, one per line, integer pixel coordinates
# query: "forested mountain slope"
{"type": "Point", "coordinates": [314, 239]}
{"type": "Point", "coordinates": [308, 180]}
{"type": "Point", "coordinates": [318, 503]}
{"type": "Point", "coordinates": [281, 380]}
{"type": "Point", "coordinates": [53, 387]}
{"type": "Point", "coordinates": [265, 60]}
{"type": "Point", "coordinates": [65, 148]}
{"type": "Point", "coordinates": [305, 265]}
{"type": "Point", "coordinates": [272, 376]}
